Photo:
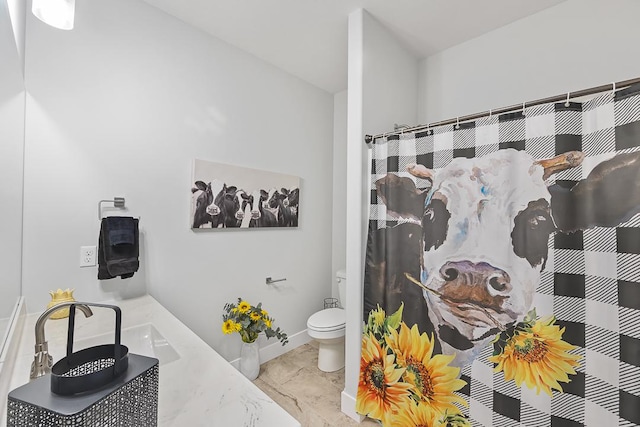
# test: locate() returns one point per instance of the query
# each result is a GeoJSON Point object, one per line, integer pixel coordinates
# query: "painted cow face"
{"type": "Point", "coordinates": [486, 224]}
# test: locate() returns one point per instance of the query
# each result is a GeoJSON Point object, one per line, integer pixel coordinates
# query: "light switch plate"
{"type": "Point", "coordinates": [87, 256]}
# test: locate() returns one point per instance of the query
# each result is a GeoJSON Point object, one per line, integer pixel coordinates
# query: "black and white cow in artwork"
{"type": "Point", "coordinates": [280, 204]}
{"type": "Point", "coordinates": [207, 209]}
{"type": "Point", "coordinates": [293, 203]}
{"type": "Point", "coordinates": [224, 210]}
{"type": "Point", "coordinates": [231, 207]}
{"type": "Point", "coordinates": [260, 216]}
{"type": "Point", "coordinates": [476, 240]}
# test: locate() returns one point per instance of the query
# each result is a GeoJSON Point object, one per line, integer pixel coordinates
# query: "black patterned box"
{"type": "Point", "coordinates": [132, 400]}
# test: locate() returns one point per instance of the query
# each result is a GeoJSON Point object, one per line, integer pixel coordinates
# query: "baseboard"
{"type": "Point", "coordinates": [276, 349]}
{"type": "Point", "coordinates": [14, 331]}
{"type": "Point", "coordinates": [10, 352]}
{"type": "Point", "coordinates": [348, 406]}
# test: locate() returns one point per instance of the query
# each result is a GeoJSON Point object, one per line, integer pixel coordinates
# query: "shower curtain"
{"type": "Point", "coordinates": [502, 274]}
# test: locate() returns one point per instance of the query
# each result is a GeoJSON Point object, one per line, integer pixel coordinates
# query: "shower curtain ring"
{"type": "Point", "coordinates": [524, 108]}
{"type": "Point", "coordinates": [457, 122]}
{"type": "Point", "coordinates": [566, 104]}
{"type": "Point", "coordinates": [614, 88]}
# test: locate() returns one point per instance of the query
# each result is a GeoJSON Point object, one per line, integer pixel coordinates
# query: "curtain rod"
{"type": "Point", "coordinates": [592, 91]}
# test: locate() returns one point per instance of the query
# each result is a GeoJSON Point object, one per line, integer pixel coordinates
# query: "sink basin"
{"type": "Point", "coordinates": [142, 339]}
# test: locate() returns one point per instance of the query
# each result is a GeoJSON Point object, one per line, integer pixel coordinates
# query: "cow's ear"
{"type": "Point", "coordinates": [610, 195]}
{"type": "Point", "coordinates": [284, 191]}
{"type": "Point", "coordinates": [401, 196]}
{"type": "Point", "coordinates": [263, 193]}
{"type": "Point", "coordinates": [245, 196]}
{"type": "Point", "coordinates": [200, 185]}
{"type": "Point", "coordinates": [421, 171]}
{"type": "Point", "coordinates": [564, 161]}
{"type": "Point", "coordinates": [232, 189]}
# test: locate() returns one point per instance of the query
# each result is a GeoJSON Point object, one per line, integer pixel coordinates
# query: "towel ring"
{"type": "Point", "coordinates": [118, 202]}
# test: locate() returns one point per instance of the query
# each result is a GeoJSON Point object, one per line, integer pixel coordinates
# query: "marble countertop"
{"type": "Point", "coordinates": [199, 388]}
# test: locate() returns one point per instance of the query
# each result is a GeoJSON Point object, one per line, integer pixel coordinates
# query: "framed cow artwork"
{"type": "Point", "coordinates": [228, 196]}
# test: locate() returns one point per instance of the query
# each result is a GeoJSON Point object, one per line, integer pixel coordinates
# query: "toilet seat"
{"type": "Point", "coordinates": [327, 320]}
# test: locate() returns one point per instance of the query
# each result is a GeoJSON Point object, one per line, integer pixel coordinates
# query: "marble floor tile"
{"type": "Point", "coordinates": [311, 396]}
{"type": "Point", "coordinates": [276, 372]}
{"type": "Point", "coordinates": [287, 402]}
{"type": "Point", "coordinates": [336, 378]}
{"type": "Point", "coordinates": [323, 397]}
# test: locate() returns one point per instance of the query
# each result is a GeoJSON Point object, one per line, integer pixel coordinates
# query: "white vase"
{"type": "Point", "coordinates": [250, 360]}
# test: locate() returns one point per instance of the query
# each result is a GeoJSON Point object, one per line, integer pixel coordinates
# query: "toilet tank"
{"type": "Point", "coordinates": [341, 279]}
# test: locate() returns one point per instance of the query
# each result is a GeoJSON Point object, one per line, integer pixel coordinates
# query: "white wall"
{"type": "Point", "coordinates": [383, 88]}
{"type": "Point", "coordinates": [120, 106]}
{"type": "Point", "coordinates": [11, 152]}
{"type": "Point", "coordinates": [390, 80]}
{"type": "Point", "coordinates": [17, 12]}
{"type": "Point", "coordinates": [575, 45]}
{"type": "Point", "coordinates": [339, 214]}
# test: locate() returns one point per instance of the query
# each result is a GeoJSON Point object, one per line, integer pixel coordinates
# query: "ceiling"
{"type": "Point", "coordinates": [308, 38]}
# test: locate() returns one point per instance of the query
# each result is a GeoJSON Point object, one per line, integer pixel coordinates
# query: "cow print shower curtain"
{"type": "Point", "coordinates": [502, 277]}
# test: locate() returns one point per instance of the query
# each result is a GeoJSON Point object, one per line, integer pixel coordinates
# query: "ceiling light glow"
{"type": "Point", "coordinates": [57, 13]}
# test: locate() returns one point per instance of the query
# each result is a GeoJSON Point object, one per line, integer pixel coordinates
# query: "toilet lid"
{"type": "Point", "coordinates": [328, 319]}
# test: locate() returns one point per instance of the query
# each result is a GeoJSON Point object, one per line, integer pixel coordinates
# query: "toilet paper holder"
{"type": "Point", "coordinates": [270, 281]}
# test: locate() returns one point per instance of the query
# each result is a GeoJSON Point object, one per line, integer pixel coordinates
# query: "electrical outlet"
{"type": "Point", "coordinates": [87, 256]}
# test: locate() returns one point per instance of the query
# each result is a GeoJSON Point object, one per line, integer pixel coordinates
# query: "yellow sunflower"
{"type": "Point", "coordinates": [416, 415]}
{"type": "Point", "coordinates": [244, 306]}
{"type": "Point", "coordinates": [377, 316]}
{"type": "Point", "coordinates": [264, 313]}
{"type": "Point", "coordinates": [380, 392]}
{"type": "Point", "coordinates": [452, 420]}
{"type": "Point", "coordinates": [255, 316]}
{"type": "Point", "coordinates": [538, 357]}
{"type": "Point", "coordinates": [433, 380]}
{"type": "Point", "coordinates": [267, 322]}
{"type": "Point", "coordinates": [229, 326]}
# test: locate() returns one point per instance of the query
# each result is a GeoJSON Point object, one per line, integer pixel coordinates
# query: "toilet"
{"type": "Point", "coordinates": [327, 328]}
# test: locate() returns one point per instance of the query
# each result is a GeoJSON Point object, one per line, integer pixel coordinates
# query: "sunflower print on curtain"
{"type": "Point", "coordinates": [502, 276]}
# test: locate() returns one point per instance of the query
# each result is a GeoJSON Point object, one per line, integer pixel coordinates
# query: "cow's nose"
{"type": "Point", "coordinates": [499, 280]}
{"type": "Point", "coordinates": [476, 274]}
{"type": "Point", "coordinates": [449, 272]}
{"type": "Point", "coordinates": [239, 215]}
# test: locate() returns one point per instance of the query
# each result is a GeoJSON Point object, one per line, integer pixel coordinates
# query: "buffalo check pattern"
{"type": "Point", "coordinates": [591, 282]}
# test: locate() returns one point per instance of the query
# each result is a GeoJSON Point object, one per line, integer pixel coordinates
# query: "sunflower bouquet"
{"type": "Point", "coordinates": [249, 321]}
{"type": "Point", "coordinates": [402, 381]}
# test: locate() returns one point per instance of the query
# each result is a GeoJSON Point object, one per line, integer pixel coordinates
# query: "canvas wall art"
{"type": "Point", "coordinates": [227, 196]}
